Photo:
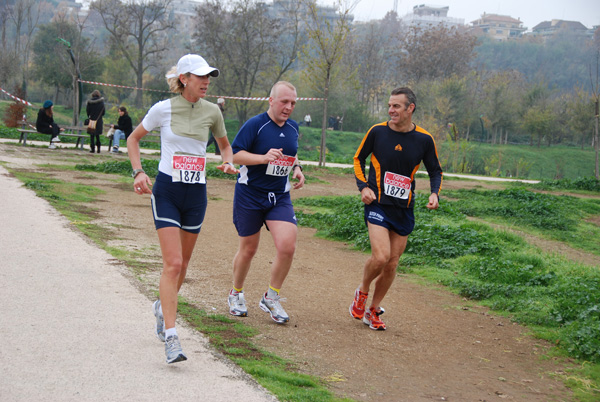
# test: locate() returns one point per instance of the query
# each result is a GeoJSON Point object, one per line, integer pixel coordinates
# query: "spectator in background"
{"type": "Point", "coordinates": [307, 120]}
{"type": "Point", "coordinates": [330, 123]}
{"type": "Point", "coordinates": [95, 110]}
{"type": "Point", "coordinates": [211, 140]}
{"type": "Point", "coordinates": [221, 104]}
{"type": "Point", "coordinates": [45, 123]}
{"type": "Point", "coordinates": [123, 128]}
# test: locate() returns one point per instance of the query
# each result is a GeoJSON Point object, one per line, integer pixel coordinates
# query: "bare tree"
{"type": "Point", "coordinates": [139, 29]}
{"type": "Point", "coordinates": [435, 52]}
{"type": "Point", "coordinates": [371, 55]}
{"type": "Point", "coordinates": [324, 51]}
{"type": "Point", "coordinates": [254, 47]}
{"type": "Point", "coordinates": [25, 15]}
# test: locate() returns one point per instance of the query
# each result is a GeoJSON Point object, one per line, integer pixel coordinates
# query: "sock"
{"type": "Point", "coordinates": [170, 332]}
{"type": "Point", "coordinates": [272, 292]}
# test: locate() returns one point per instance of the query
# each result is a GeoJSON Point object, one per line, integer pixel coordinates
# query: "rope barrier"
{"type": "Point", "coordinates": [120, 86]}
{"type": "Point", "coordinates": [16, 98]}
{"type": "Point", "coordinates": [211, 96]}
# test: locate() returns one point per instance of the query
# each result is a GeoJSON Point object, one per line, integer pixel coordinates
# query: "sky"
{"type": "Point", "coordinates": [531, 12]}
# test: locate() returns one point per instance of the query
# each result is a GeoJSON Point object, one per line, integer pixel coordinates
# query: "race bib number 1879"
{"type": "Point", "coordinates": [396, 185]}
{"type": "Point", "coordinates": [189, 169]}
{"type": "Point", "coordinates": [281, 167]}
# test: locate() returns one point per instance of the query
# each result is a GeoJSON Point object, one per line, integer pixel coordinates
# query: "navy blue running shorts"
{"type": "Point", "coordinates": [399, 220]}
{"type": "Point", "coordinates": [178, 204]}
{"type": "Point", "coordinates": [252, 208]}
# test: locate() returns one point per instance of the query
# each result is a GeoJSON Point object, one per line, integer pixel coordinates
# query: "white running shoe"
{"type": "Point", "coordinates": [52, 146]}
{"type": "Point", "coordinates": [56, 139]}
{"type": "Point", "coordinates": [173, 350]}
{"type": "Point", "coordinates": [273, 307]}
{"type": "Point", "coordinates": [160, 321]}
{"type": "Point", "coordinates": [237, 304]}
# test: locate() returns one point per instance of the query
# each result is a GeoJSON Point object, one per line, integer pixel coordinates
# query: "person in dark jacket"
{"type": "Point", "coordinates": [45, 123]}
{"type": "Point", "coordinates": [95, 110]}
{"type": "Point", "coordinates": [123, 128]}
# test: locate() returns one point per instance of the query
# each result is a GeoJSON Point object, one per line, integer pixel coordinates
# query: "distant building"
{"type": "Point", "coordinates": [549, 28]}
{"type": "Point", "coordinates": [499, 27]}
{"type": "Point", "coordinates": [184, 12]}
{"type": "Point", "coordinates": [424, 15]}
{"type": "Point", "coordinates": [280, 9]}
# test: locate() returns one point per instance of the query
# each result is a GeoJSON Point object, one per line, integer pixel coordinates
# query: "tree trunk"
{"type": "Point", "coordinates": [596, 139]}
{"type": "Point", "coordinates": [75, 101]}
{"type": "Point", "coordinates": [324, 124]}
{"type": "Point", "coordinates": [139, 92]}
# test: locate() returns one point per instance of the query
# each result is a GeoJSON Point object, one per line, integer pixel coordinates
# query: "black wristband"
{"type": "Point", "coordinates": [297, 165]}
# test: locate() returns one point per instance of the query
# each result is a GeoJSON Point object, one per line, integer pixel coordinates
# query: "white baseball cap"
{"type": "Point", "coordinates": [195, 64]}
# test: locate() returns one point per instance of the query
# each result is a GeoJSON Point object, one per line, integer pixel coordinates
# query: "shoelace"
{"type": "Point", "coordinates": [241, 301]}
{"type": "Point", "coordinates": [360, 304]}
{"type": "Point", "coordinates": [276, 303]}
{"type": "Point", "coordinates": [171, 342]}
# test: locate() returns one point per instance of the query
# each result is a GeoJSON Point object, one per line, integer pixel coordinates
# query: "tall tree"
{"type": "Point", "coordinates": [254, 48]}
{"type": "Point", "coordinates": [25, 15]}
{"type": "Point", "coordinates": [435, 52]}
{"type": "Point", "coordinates": [60, 53]}
{"type": "Point", "coordinates": [324, 51]}
{"type": "Point", "coordinates": [371, 55]}
{"type": "Point", "coordinates": [139, 29]}
{"type": "Point", "coordinates": [580, 109]}
{"type": "Point", "coordinates": [501, 94]}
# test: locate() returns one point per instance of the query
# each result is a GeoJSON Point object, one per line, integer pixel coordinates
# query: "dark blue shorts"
{"type": "Point", "coordinates": [399, 220]}
{"type": "Point", "coordinates": [178, 204]}
{"type": "Point", "coordinates": [252, 208]}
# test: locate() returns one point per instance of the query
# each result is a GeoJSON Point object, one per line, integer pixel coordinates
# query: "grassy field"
{"type": "Point", "coordinates": [485, 261]}
{"type": "Point", "coordinates": [517, 161]}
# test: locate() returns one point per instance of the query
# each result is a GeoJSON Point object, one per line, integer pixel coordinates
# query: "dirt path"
{"type": "Point", "coordinates": [438, 347]}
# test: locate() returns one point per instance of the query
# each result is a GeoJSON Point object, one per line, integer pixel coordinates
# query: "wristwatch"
{"type": "Point", "coordinates": [136, 172]}
{"type": "Point", "coordinates": [297, 165]}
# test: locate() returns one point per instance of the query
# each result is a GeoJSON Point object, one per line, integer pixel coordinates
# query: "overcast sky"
{"type": "Point", "coordinates": [531, 12]}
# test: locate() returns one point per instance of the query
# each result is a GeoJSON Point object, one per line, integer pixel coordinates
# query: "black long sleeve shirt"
{"type": "Point", "coordinates": [395, 158]}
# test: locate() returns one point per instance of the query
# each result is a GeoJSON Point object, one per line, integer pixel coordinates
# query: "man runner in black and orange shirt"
{"type": "Point", "coordinates": [397, 148]}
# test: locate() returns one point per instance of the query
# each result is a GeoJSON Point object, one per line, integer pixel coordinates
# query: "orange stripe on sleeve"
{"type": "Point", "coordinates": [377, 168]}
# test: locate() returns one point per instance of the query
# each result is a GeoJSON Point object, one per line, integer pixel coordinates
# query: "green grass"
{"type": "Point", "coordinates": [559, 218]}
{"type": "Point", "coordinates": [230, 337]}
{"type": "Point", "coordinates": [522, 161]}
{"type": "Point", "coordinates": [557, 299]}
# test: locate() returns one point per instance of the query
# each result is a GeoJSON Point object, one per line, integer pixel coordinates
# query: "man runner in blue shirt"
{"type": "Point", "coordinates": [266, 148]}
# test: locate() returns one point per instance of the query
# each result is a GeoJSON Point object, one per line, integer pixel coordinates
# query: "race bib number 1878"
{"type": "Point", "coordinates": [396, 185]}
{"type": "Point", "coordinates": [189, 169]}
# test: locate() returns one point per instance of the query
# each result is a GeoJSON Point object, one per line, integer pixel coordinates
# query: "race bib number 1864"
{"type": "Point", "coordinates": [396, 185]}
{"type": "Point", "coordinates": [189, 169]}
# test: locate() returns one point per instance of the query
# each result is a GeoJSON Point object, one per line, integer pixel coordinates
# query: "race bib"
{"type": "Point", "coordinates": [281, 167]}
{"type": "Point", "coordinates": [189, 169]}
{"type": "Point", "coordinates": [396, 185]}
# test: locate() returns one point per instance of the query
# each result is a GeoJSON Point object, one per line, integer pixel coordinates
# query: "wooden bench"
{"type": "Point", "coordinates": [70, 131]}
